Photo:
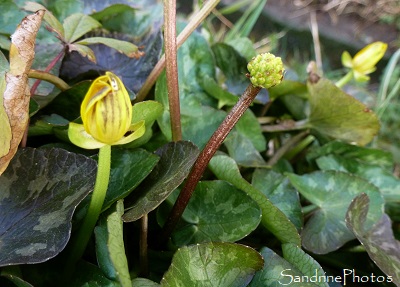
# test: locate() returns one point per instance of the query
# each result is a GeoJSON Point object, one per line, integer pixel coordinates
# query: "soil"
{"type": "Point", "coordinates": [352, 23]}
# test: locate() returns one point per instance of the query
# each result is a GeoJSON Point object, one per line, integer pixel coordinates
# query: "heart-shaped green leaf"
{"type": "Point", "coordinates": [213, 264]}
{"type": "Point", "coordinates": [176, 159]}
{"type": "Point", "coordinates": [279, 272]}
{"type": "Point", "coordinates": [379, 240]}
{"type": "Point", "coordinates": [217, 211]}
{"type": "Point", "coordinates": [332, 192]}
{"type": "Point", "coordinates": [273, 218]}
{"type": "Point", "coordinates": [382, 178]}
{"type": "Point", "coordinates": [339, 115]}
{"type": "Point", "coordinates": [39, 192]}
{"type": "Point", "coordinates": [277, 188]}
{"type": "Point", "coordinates": [110, 248]}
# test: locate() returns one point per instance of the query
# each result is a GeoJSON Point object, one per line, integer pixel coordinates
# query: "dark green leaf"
{"type": "Point", "coordinates": [176, 159]}
{"type": "Point", "coordinates": [213, 264]}
{"type": "Point", "coordinates": [233, 66]}
{"type": "Point", "coordinates": [303, 262]}
{"type": "Point", "coordinates": [38, 195]}
{"type": "Point", "coordinates": [339, 115]}
{"type": "Point", "coordinates": [10, 20]}
{"type": "Point", "coordinates": [249, 126]}
{"type": "Point", "coordinates": [45, 125]}
{"type": "Point", "coordinates": [110, 248]}
{"type": "Point", "coordinates": [128, 169]}
{"type": "Point", "coordinates": [279, 271]}
{"type": "Point", "coordinates": [216, 91]}
{"type": "Point", "coordinates": [89, 275]}
{"type": "Point", "coordinates": [242, 150]}
{"type": "Point", "coordinates": [353, 152]}
{"type": "Point", "coordinates": [382, 178]}
{"type": "Point", "coordinates": [217, 211]}
{"type": "Point", "coordinates": [273, 219]}
{"type": "Point", "coordinates": [13, 273]}
{"type": "Point", "coordinates": [68, 103]}
{"type": "Point", "coordinates": [277, 188]}
{"type": "Point", "coordinates": [133, 72]}
{"type": "Point", "coordinates": [33, 107]}
{"type": "Point", "coordinates": [332, 193]}
{"type": "Point", "coordinates": [379, 241]}
{"type": "Point", "coordinates": [77, 25]}
{"type": "Point", "coordinates": [144, 282]}
{"type": "Point", "coordinates": [149, 111]}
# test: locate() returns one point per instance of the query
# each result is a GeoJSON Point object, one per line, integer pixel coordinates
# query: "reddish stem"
{"type": "Point", "coordinates": [204, 158]}
{"type": "Point", "coordinates": [48, 68]}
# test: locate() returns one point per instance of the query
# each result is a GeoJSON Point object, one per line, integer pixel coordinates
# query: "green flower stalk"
{"type": "Point", "coordinates": [106, 113]}
{"type": "Point", "coordinates": [363, 63]}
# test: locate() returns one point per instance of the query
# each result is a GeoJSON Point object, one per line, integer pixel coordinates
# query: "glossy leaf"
{"type": "Point", "coordinates": [213, 264]}
{"type": "Point", "coordinates": [352, 152]}
{"type": "Point", "coordinates": [339, 115]}
{"type": "Point", "coordinates": [110, 248]}
{"type": "Point", "coordinates": [50, 19]}
{"type": "Point", "coordinates": [382, 178]}
{"type": "Point", "coordinates": [128, 169]}
{"type": "Point", "coordinates": [149, 111]}
{"type": "Point", "coordinates": [379, 240]}
{"type": "Point", "coordinates": [133, 72]}
{"type": "Point", "coordinates": [124, 47]}
{"type": "Point", "coordinates": [273, 218]}
{"type": "Point", "coordinates": [77, 25]}
{"type": "Point", "coordinates": [217, 211]}
{"type": "Point", "coordinates": [38, 195]}
{"type": "Point", "coordinates": [242, 150]}
{"type": "Point", "coordinates": [176, 159]}
{"type": "Point", "coordinates": [233, 66]}
{"type": "Point", "coordinates": [90, 275]}
{"type": "Point", "coordinates": [216, 91]}
{"type": "Point", "coordinates": [279, 271]}
{"type": "Point", "coordinates": [199, 118]}
{"type": "Point", "coordinates": [332, 193]}
{"type": "Point", "coordinates": [277, 188]}
{"type": "Point", "coordinates": [144, 282]}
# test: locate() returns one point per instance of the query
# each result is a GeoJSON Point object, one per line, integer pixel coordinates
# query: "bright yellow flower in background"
{"type": "Point", "coordinates": [365, 60]}
{"type": "Point", "coordinates": [106, 113]}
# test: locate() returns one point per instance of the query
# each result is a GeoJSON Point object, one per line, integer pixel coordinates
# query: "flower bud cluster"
{"type": "Point", "coordinates": [266, 70]}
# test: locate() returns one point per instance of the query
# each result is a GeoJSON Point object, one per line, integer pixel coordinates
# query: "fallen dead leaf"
{"type": "Point", "coordinates": [16, 95]}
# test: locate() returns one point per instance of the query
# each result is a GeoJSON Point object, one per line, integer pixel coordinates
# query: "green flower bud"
{"type": "Point", "coordinates": [266, 70]}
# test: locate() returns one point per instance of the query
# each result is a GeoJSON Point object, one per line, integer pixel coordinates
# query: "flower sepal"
{"type": "Point", "coordinates": [79, 137]}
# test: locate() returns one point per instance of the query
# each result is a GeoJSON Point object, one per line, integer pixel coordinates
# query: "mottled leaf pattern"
{"type": "Point", "coordinates": [38, 195]}
{"type": "Point", "coordinates": [213, 264]}
{"type": "Point", "coordinates": [379, 240]}
{"type": "Point", "coordinates": [176, 159]}
{"type": "Point", "coordinates": [332, 192]}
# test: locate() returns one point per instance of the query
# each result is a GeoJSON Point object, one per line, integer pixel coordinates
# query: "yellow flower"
{"type": "Point", "coordinates": [106, 113]}
{"type": "Point", "coordinates": [365, 60]}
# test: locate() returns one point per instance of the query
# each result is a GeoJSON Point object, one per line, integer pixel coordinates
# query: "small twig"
{"type": "Point", "coordinates": [315, 36]}
{"type": "Point", "coordinates": [204, 158]}
{"type": "Point", "coordinates": [172, 68]}
{"type": "Point", "coordinates": [286, 125]}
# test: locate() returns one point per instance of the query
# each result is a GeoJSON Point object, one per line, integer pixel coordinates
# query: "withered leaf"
{"type": "Point", "coordinates": [16, 95]}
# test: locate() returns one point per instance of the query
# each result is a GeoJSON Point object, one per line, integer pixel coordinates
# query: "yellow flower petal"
{"type": "Point", "coordinates": [79, 137]}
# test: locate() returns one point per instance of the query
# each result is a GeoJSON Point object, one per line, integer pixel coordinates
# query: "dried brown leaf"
{"type": "Point", "coordinates": [16, 95]}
